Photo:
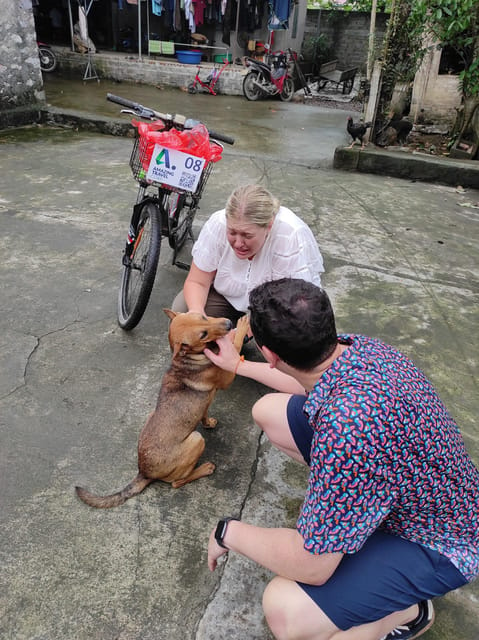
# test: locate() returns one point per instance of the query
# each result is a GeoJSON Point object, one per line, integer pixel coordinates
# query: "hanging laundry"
{"type": "Point", "coordinates": [157, 7]}
{"type": "Point", "coordinates": [229, 21]}
{"type": "Point", "coordinates": [190, 15]}
{"type": "Point", "coordinates": [279, 11]}
{"type": "Point", "coordinates": [199, 6]}
{"type": "Point", "coordinates": [177, 16]}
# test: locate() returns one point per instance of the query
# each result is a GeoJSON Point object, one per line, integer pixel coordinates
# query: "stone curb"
{"type": "Point", "coordinates": [409, 166]}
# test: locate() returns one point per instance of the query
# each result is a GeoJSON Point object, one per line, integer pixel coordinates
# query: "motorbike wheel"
{"type": "Point", "coordinates": [250, 89]}
{"type": "Point", "coordinates": [48, 62]}
{"type": "Point", "coordinates": [288, 90]}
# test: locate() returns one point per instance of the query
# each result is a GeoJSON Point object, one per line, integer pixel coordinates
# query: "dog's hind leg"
{"type": "Point", "coordinates": [205, 469]}
{"type": "Point", "coordinates": [186, 470]}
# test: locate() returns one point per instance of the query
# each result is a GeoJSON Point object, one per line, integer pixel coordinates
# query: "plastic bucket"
{"type": "Point", "coordinates": [221, 57]}
{"type": "Point", "coordinates": [188, 57]}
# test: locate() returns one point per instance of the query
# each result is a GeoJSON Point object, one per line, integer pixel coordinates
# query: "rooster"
{"type": "Point", "coordinates": [357, 131]}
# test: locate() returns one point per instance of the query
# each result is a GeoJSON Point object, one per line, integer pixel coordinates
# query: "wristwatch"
{"type": "Point", "coordinates": [220, 532]}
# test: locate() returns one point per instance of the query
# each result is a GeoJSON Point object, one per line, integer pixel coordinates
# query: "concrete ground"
{"type": "Point", "coordinates": [401, 264]}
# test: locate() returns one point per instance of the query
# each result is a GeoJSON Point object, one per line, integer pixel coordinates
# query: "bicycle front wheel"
{"type": "Point", "coordinates": [139, 270]}
{"type": "Point", "coordinates": [180, 219]}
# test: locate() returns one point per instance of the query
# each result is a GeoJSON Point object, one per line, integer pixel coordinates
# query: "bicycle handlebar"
{"type": "Point", "coordinates": [176, 120]}
{"type": "Point", "coordinates": [221, 137]}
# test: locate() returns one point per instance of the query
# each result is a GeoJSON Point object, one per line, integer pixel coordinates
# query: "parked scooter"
{"type": "Point", "coordinates": [48, 60]}
{"type": "Point", "coordinates": [266, 79]}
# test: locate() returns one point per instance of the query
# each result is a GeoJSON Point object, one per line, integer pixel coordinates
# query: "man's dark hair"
{"type": "Point", "coordinates": [295, 320]}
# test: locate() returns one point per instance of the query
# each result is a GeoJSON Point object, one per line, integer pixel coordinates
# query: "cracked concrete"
{"type": "Point", "coordinates": [401, 264]}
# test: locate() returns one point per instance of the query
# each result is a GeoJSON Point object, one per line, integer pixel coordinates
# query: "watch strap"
{"type": "Point", "coordinates": [220, 531]}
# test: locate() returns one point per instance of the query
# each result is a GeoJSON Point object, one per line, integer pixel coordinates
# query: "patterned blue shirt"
{"type": "Point", "coordinates": [386, 453]}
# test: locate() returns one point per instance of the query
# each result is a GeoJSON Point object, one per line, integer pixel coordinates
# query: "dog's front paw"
{"type": "Point", "coordinates": [243, 324]}
{"type": "Point", "coordinates": [242, 328]}
{"type": "Point", "coordinates": [209, 423]}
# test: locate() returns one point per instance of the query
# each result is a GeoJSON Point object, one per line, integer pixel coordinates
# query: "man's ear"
{"type": "Point", "coordinates": [270, 357]}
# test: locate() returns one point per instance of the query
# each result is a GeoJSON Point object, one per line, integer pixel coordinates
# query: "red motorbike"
{"type": "Point", "coordinates": [271, 78]}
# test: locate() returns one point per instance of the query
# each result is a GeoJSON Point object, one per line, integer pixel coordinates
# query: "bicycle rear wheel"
{"type": "Point", "coordinates": [139, 270]}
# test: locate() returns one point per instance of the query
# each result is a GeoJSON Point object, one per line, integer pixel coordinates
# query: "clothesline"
{"type": "Point", "coordinates": [199, 46]}
{"type": "Point", "coordinates": [197, 12]}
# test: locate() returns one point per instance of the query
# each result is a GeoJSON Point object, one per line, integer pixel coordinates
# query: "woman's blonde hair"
{"type": "Point", "coordinates": [254, 203]}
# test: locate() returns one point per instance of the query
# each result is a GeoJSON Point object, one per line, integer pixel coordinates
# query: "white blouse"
{"type": "Point", "coordinates": [290, 250]}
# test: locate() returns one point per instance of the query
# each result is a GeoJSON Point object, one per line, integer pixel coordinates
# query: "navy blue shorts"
{"type": "Point", "coordinates": [387, 574]}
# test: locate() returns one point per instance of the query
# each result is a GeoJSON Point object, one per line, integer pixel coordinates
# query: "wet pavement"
{"type": "Point", "coordinates": [401, 264]}
{"type": "Point", "coordinates": [284, 132]}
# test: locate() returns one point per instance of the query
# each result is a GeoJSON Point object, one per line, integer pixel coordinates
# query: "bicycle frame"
{"type": "Point", "coordinates": [167, 201]}
{"type": "Point", "coordinates": [210, 82]}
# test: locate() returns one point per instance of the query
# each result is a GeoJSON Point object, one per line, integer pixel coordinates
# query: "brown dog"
{"type": "Point", "coordinates": [169, 445]}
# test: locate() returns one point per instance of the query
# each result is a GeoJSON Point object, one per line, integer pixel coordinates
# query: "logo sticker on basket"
{"type": "Point", "coordinates": [175, 168]}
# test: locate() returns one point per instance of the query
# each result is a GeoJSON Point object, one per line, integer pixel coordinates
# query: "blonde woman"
{"type": "Point", "coordinates": [252, 240]}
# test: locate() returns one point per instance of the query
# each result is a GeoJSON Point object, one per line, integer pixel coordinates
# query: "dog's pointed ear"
{"type": "Point", "coordinates": [171, 314]}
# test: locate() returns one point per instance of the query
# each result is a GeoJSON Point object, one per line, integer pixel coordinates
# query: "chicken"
{"type": "Point", "coordinates": [422, 119]}
{"type": "Point", "coordinates": [403, 128]}
{"type": "Point", "coordinates": [357, 131]}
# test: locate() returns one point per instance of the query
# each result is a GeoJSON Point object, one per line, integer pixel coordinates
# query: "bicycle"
{"type": "Point", "coordinates": [211, 81]}
{"type": "Point", "coordinates": [167, 201]}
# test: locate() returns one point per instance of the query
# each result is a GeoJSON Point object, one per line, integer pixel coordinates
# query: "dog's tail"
{"type": "Point", "coordinates": [131, 490]}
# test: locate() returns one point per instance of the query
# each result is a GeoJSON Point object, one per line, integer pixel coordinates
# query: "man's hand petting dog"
{"type": "Point", "coordinates": [228, 357]}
